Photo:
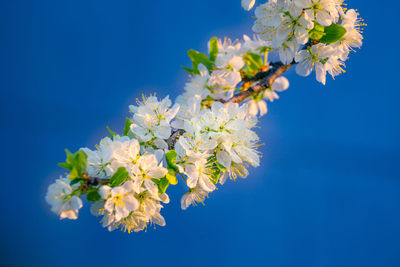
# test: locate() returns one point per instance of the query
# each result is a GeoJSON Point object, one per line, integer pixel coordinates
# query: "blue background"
{"type": "Point", "coordinates": [328, 190]}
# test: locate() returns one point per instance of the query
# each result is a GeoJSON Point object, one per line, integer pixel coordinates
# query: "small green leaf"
{"type": "Point", "coordinates": [93, 195]}
{"type": "Point", "coordinates": [190, 71]}
{"type": "Point", "coordinates": [80, 161]}
{"type": "Point", "coordinates": [317, 32]}
{"type": "Point", "coordinates": [127, 127]}
{"type": "Point", "coordinates": [75, 181]}
{"type": "Point", "coordinates": [171, 176]}
{"type": "Point", "coordinates": [254, 62]}
{"type": "Point", "coordinates": [65, 165]}
{"type": "Point", "coordinates": [213, 47]}
{"type": "Point", "coordinates": [162, 184]}
{"type": "Point", "coordinates": [111, 132]}
{"type": "Point", "coordinates": [200, 58]}
{"type": "Point", "coordinates": [119, 177]}
{"type": "Point", "coordinates": [75, 163]}
{"type": "Point", "coordinates": [318, 27]}
{"type": "Point", "coordinates": [73, 174]}
{"type": "Point", "coordinates": [333, 33]}
{"type": "Point", "coordinates": [170, 157]}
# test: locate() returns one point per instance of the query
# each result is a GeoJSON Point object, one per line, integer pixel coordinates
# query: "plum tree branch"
{"type": "Point", "coordinates": [265, 78]}
{"type": "Point", "coordinates": [262, 81]}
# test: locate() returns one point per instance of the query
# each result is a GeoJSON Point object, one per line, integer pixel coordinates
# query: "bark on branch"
{"type": "Point", "coordinates": [263, 80]}
{"type": "Point", "coordinates": [266, 79]}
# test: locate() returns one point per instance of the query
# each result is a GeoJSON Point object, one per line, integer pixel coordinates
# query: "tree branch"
{"type": "Point", "coordinates": [173, 138]}
{"type": "Point", "coordinates": [267, 79]}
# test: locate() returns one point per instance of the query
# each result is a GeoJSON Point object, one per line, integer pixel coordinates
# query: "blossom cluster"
{"type": "Point", "coordinates": [217, 144]}
{"type": "Point", "coordinates": [235, 60]}
{"type": "Point", "coordinates": [208, 135]}
{"type": "Point", "coordinates": [316, 34]}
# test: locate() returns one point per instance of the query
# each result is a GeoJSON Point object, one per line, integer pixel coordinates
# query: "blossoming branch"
{"type": "Point", "coordinates": [208, 135]}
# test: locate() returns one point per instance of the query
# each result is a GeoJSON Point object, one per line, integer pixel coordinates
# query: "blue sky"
{"type": "Point", "coordinates": [328, 190]}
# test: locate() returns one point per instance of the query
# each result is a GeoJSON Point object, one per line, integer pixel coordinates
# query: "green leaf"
{"type": "Point", "coordinates": [119, 177]}
{"type": "Point", "coordinates": [80, 161]}
{"type": "Point", "coordinates": [170, 157]}
{"type": "Point", "coordinates": [333, 33]}
{"type": "Point", "coordinates": [75, 163]}
{"type": "Point", "coordinates": [254, 62]}
{"type": "Point", "coordinates": [65, 165]}
{"type": "Point", "coordinates": [73, 174]}
{"type": "Point", "coordinates": [317, 32]}
{"type": "Point", "coordinates": [171, 176]}
{"type": "Point", "coordinates": [162, 184]}
{"type": "Point", "coordinates": [213, 47]}
{"type": "Point", "coordinates": [75, 181]}
{"type": "Point", "coordinates": [111, 132]}
{"type": "Point", "coordinates": [190, 71]}
{"type": "Point", "coordinates": [127, 127]}
{"type": "Point", "coordinates": [199, 58]}
{"type": "Point", "coordinates": [93, 195]}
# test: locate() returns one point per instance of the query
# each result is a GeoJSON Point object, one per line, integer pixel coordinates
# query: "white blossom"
{"type": "Point", "coordinates": [151, 119]}
{"type": "Point", "coordinates": [313, 58]}
{"type": "Point", "coordinates": [194, 196]}
{"type": "Point", "coordinates": [325, 12]}
{"type": "Point", "coordinates": [120, 201]}
{"type": "Point", "coordinates": [352, 38]}
{"type": "Point", "coordinates": [147, 213]}
{"type": "Point", "coordinates": [63, 202]}
{"type": "Point", "coordinates": [146, 170]}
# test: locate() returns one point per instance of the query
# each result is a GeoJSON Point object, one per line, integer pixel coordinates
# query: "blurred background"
{"type": "Point", "coordinates": [328, 190]}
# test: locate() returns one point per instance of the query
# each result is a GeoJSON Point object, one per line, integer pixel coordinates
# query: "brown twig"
{"type": "Point", "coordinates": [266, 80]}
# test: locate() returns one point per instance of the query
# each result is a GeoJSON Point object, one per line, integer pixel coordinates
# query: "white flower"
{"type": "Point", "coordinates": [95, 164]}
{"type": "Point", "coordinates": [63, 203]}
{"type": "Point", "coordinates": [193, 144]}
{"type": "Point", "coordinates": [199, 175]}
{"type": "Point", "coordinates": [224, 78]}
{"type": "Point", "coordinates": [313, 58]}
{"type": "Point", "coordinates": [110, 155]}
{"type": "Point", "coordinates": [248, 4]}
{"type": "Point", "coordinates": [147, 213]}
{"type": "Point", "coordinates": [334, 66]}
{"type": "Point", "coordinates": [233, 172]}
{"type": "Point", "coordinates": [195, 195]}
{"type": "Point", "coordinates": [352, 38]}
{"type": "Point", "coordinates": [148, 168]}
{"type": "Point", "coordinates": [151, 119]}
{"type": "Point", "coordinates": [120, 201]}
{"type": "Point", "coordinates": [197, 87]}
{"type": "Point", "coordinates": [230, 55]}
{"type": "Point", "coordinates": [269, 22]}
{"type": "Point", "coordinates": [228, 125]}
{"type": "Point", "coordinates": [287, 51]}
{"type": "Point", "coordinates": [190, 107]}
{"type": "Point", "coordinates": [325, 12]}
{"type": "Point", "coordinates": [253, 45]}
{"type": "Point", "coordinates": [280, 21]}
